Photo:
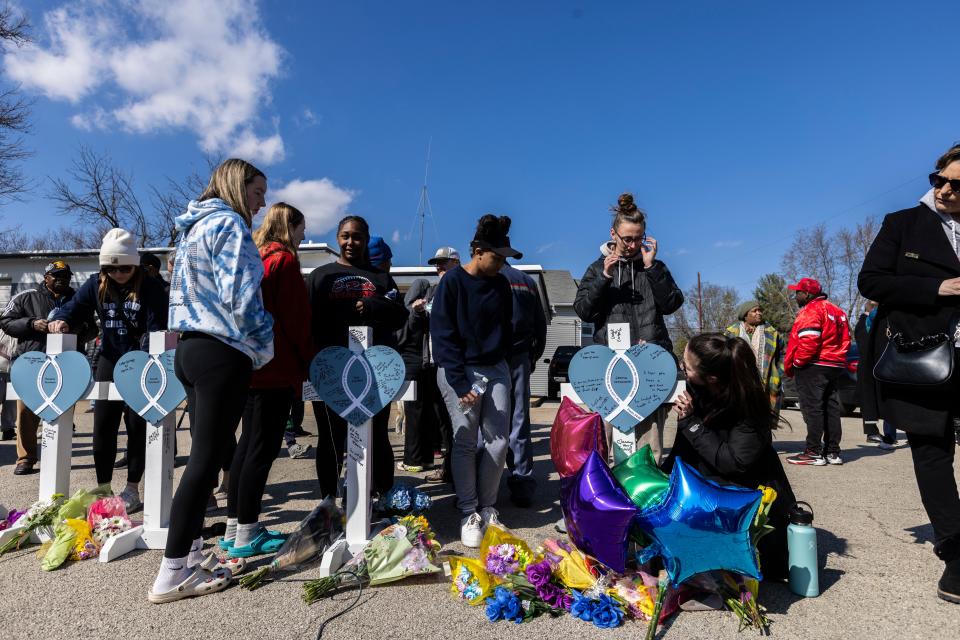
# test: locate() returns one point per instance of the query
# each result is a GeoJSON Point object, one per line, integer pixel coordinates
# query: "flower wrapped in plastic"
{"type": "Point", "coordinates": [12, 516]}
{"type": "Point", "coordinates": [405, 548]}
{"type": "Point", "coordinates": [107, 528]}
{"type": "Point", "coordinates": [40, 517]}
{"type": "Point", "coordinates": [504, 553]}
{"type": "Point", "coordinates": [403, 500]}
{"type": "Point", "coordinates": [471, 582]}
{"type": "Point", "coordinates": [315, 534]}
{"type": "Point", "coordinates": [84, 545]}
{"type": "Point", "coordinates": [572, 567]}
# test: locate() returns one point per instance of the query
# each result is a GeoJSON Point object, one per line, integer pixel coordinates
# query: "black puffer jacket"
{"type": "Point", "coordinates": [40, 304]}
{"type": "Point", "coordinates": [634, 294]}
{"type": "Point", "coordinates": [738, 452]}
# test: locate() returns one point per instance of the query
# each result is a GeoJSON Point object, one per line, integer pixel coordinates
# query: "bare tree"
{"type": "Point", "coordinates": [832, 259]}
{"type": "Point", "coordinates": [170, 202]}
{"type": "Point", "coordinates": [719, 306]}
{"type": "Point", "coordinates": [64, 238]}
{"type": "Point", "coordinates": [99, 194]}
{"type": "Point", "coordinates": [14, 112]}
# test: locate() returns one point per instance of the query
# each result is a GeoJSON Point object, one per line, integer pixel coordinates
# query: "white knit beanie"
{"type": "Point", "coordinates": [119, 248]}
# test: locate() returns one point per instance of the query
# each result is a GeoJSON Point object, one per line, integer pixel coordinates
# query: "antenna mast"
{"type": "Point", "coordinates": [423, 207]}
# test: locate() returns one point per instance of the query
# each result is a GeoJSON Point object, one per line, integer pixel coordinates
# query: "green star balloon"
{"type": "Point", "coordinates": [640, 477]}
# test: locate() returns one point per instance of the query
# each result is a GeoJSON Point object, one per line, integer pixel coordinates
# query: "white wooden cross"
{"type": "Point", "coordinates": [358, 473]}
{"type": "Point", "coordinates": [624, 444]}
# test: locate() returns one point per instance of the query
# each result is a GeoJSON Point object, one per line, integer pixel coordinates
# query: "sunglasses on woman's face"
{"type": "Point", "coordinates": [124, 269]}
{"type": "Point", "coordinates": [937, 181]}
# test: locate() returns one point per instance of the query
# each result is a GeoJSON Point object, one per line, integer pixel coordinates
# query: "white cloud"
{"type": "Point", "coordinates": [154, 65]}
{"type": "Point", "coordinates": [307, 118]}
{"type": "Point", "coordinates": [396, 236]}
{"type": "Point", "coordinates": [727, 244]}
{"type": "Point", "coordinates": [546, 247]}
{"type": "Point", "coordinates": [681, 252]}
{"type": "Point", "coordinates": [322, 202]}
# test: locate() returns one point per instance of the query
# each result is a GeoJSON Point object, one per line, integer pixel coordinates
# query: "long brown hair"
{"type": "Point", "coordinates": [229, 181]}
{"type": "Point", "coordinates": [739, 393]}
{"type": "Point", "coordinates": [280, 220]}
{"type": "Point", "coordinates": [110, 289]}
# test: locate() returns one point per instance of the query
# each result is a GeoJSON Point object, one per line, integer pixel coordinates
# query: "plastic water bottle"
{"type": "Point", "coordinates": [802, 548]}
{"type": "Point", "coordinates": [479, 387]}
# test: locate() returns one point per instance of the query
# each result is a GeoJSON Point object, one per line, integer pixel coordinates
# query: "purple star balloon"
{"type": "Point", "coordinates": [597, 513]}
{"type": "Point", "coordinates": [702, 526]}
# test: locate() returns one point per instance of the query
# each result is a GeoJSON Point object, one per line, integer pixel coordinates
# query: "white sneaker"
{"type": "Point", "coordinates": [471, 531]}
{"type": "Point", "coordinates": [834, 458]}
{"type": "Point", "coordinates": [489, 515]}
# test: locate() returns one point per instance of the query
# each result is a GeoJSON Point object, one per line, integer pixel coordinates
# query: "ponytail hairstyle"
{"type": "Point", "coordinates": [492, 231]}
{"type": "Point", "coordinates": [229, 183]}
{"type": "Point", "coordinates": [626, 211]}
{"type": "Point", "coordinates": [281, 218]}
{"type": "Point", "coordinates": [360, 222]}
{"type": "Point", "coordinates": [739, 392]}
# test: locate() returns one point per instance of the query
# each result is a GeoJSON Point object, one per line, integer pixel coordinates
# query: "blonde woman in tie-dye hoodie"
{"type": "Point", "coordinates": [226, 334]}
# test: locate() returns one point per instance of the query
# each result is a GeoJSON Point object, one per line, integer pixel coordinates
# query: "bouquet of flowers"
{"type": "Point", "coordinates": [406, 548]}
{"type": "Point", "coordinates": [42, 514]}
{"type": "Point", "coordinates": [403, 500]}
{"type": "Point", "coordinates": [320, 529]}
{"type": "Point", "coordinates": [12, 516]}
{"type": "Point", "coordinates": [106, 528]}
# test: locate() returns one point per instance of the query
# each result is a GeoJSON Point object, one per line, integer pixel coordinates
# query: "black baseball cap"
{"type": "Point", "coordinates": [57, 266]}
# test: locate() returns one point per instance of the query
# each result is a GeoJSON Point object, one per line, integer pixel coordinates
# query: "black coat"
{"type": "Point", "coordinates": [903, 270]}
{"type": "Point", "coordinates": [866, 388]}
{"type": "Point", "coordinates": [40, 304]}
{"type": "Point", "coordinates": [635, 295]}
{"type": "Point", "coordinates": [740, 453]}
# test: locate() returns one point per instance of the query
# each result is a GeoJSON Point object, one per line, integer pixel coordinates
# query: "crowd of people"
{"type": "Point", "coordinates": [250, 325]}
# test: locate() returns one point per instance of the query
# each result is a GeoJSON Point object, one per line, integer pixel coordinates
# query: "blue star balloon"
{"type": "Point", "coordinates": [702, 526]}
{"type": "Point", "coordinates": [597, 513]}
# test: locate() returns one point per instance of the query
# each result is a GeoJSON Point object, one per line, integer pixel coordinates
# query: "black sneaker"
{"type": "Point", "coordinates": [809, 458]}
{"type": "Point", "coordinates": [121, 463]}
{"type": "Point", "coordinates": [949, 586]}
{"type": "Point", "coordinates": [8, 434]}
{"type": "Point", "coordinates": [298, 431]}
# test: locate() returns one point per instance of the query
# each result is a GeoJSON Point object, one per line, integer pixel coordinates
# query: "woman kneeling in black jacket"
{"type": "Point", "coordinates": [725, 432]}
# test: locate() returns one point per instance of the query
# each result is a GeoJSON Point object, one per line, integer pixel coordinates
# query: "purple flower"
{"type": "Point", "coordinates": [555, 596]}
{"type": "Point", "coordinates": [539, 574]}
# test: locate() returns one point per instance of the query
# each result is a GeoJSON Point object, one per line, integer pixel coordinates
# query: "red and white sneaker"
{"type": "Point", "coordinates": [808, 458]}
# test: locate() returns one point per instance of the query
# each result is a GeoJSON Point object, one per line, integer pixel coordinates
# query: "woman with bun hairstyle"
{"type": "Point", "coordinates": [472, 330]}
{"type": "Point", "coordinates": [628, 284]}
{"type": "Point", "coordinates": [274, 387]}
{"type": "Point", "coordinates": [352, 293]}
{"type": "Point", "coordinates": [724, 431]}
{"type": "Point", "coordinates": [226, 334]}
{"type": "Point", "coordinates": [129, 305]}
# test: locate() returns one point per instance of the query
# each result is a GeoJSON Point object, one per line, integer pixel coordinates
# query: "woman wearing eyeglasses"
{"type": "Point", "coordinates": [628, 284]}
{"type": "Point", "coordinates": [913, 270]}
{"type": "Point", "coordinates": [129, 305]}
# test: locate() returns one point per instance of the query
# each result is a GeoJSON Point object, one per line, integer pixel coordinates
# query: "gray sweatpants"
{"type": "Point", "coordinates": [477, 471]}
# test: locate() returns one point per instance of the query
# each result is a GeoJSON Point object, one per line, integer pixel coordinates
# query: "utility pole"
{"type": "Point", "coordinates": [423, 207]}
{"type": "Point", "coordinates": [699, 303]}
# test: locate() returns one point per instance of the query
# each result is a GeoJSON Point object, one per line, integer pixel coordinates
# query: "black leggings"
{"type": "Point", "coordinates": [933, 465]}
{"type": "Point", "coordinates": [264, 420]}
{"type": "Point", "coordinates": [106, 426]}
{"type": "Point", "coordinates": [216, 378]}
{"type": "Point", "coordinates": [331, 439]}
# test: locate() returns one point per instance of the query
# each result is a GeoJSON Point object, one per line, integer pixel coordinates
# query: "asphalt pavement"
{"type": "Point", "coordinates": [878, 573]}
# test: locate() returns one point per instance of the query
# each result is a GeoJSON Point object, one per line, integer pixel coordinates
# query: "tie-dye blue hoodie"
{"type": "Point", "coordinates": [215, 287]}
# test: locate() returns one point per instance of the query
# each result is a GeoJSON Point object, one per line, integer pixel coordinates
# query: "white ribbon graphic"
{"type": "Point", "coordinates": [623, 404]}
{"type": "Point", "coordinates": [356, 401]}
{"type": "Point", "coordinates": [151, 399]}
{"type": "Point", "coordinates": [48, 399]}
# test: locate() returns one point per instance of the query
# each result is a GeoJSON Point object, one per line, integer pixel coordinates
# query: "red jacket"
{"type": "Point", "coordinates": [285, 298]}
{"type": "Point", "coordinates": [820, 335]}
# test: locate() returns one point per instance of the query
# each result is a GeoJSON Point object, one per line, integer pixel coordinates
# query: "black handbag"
{"type": "Point", "coordinates": [925, 362]}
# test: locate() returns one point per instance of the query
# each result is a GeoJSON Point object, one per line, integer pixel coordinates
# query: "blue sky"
{"type": "Point", "coordinates": [734, 123]}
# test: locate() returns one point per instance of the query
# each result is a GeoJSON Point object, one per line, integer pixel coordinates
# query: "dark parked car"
{"type": "Point", "coordinates": [557, 370]}
{"type": "Point", "coordinates": [849, 399]}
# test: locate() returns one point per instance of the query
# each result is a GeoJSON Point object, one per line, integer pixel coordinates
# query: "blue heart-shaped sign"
{"type": "Point", "coordinates": [50, 385]}
{"type": "Point", "coordinates": [623, 388]}
{"type": "Point", "coordinates": [148, 385]}
{"type": "Point", "coordinates": [357, 385]}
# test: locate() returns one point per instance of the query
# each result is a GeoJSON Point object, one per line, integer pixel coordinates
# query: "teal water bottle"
{"type": "Point", "coordinates": [802, 547]}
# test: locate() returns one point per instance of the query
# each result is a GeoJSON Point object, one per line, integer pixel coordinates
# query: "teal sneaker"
{"type": "Point", "coordinates": [266, 542]}
{"type": "Point", "coordinates": [225, 544]}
